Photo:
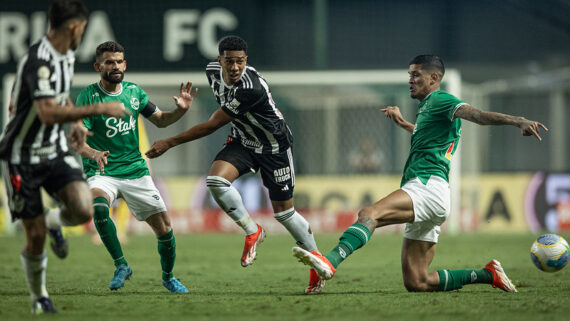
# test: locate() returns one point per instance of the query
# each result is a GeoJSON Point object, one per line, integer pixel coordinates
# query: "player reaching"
{"type": "Point", "coordinates": [115, 167]}
{"type": "Point", "coordinates": [260, 140]}
{"type": "Point", "coordinates": [423, 201]}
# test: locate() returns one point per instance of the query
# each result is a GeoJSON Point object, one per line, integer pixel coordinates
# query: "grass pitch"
{"type": "Point", "coordinates": [368, 286]}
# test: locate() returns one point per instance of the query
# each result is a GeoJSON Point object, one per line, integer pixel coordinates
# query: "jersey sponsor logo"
{"type": "Point", "coordinates": [233, 105]}
{"type": "Point", "coordinates": [95, 95]}
{"type": "Point", "coordinates": [282, 174]}
{"type": "Point", "coordinates": [43, 151]}
{"type": "Point", "coordinates": [135, 103]}
{"type": "Point", "coordinates": [249, 142]}
{"type": "Point", "coordinates": [119, 126]}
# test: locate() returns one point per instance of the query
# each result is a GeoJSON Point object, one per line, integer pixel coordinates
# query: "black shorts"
{"type": "Point", "coordinates": [277, 170]}
{"type": "Point", "coordinates": [23, 183]}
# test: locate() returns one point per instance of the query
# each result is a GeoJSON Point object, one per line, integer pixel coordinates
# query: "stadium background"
{"type": "Point", "coordinates": [331, 65]}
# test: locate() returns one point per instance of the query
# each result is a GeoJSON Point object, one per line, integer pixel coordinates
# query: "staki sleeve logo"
{"type": "Point", "coordinates": [135, 103]}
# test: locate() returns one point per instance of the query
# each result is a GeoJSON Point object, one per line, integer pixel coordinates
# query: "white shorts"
{"type": "Point", "coordinates": [140, 194]}
{"type": "Point", "coordinates": [432, 205]}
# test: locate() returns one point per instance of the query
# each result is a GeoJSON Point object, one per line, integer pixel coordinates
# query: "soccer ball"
{"type": "Point", "coordinates": [549, 252]}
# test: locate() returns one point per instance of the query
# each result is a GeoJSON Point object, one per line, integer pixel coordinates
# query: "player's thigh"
{"type": "Point", "coordinates": [142, 197]}
{"type": "Point", "coordinates": [66, 182]}
{"type": "Point", "coordinates": [395, 208]}
{"type": "Point", "coordinates": [233, 161]}
{"type": "Point", "coordinates": [104, 186]}
{"type": "Point", "coordinates": [416, 258]}
{"type": "Point", "coordinates": [22, 184]}
{"type": "Point", "coordinates": [278, 175]}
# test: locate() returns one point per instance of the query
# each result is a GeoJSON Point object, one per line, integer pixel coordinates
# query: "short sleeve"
{"type": "Point", "coordinates": [242, 101]}
{"type": "Point", "coordinates": [37, 76]}
{"type": "Point", "coordinates": [446, 104]}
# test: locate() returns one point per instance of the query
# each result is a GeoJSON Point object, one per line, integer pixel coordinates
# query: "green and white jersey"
{"type": "Point", "coordinates": [118, 136]}
{"type": "Point", "coordinates": [435, 138]}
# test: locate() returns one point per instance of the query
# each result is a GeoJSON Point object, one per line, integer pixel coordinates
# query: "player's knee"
{"type": "Point", "coordinates": [82, 211]}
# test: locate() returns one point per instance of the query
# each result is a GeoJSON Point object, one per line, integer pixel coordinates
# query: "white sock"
{"type": "Point", "coordinates": [230, 201]}
{"type": "Point", "coordinates": [35, 270]}
{"type": "Point", "coordinates": [299, 228]}
{"type": "Point", "coordinates": [54, 219]}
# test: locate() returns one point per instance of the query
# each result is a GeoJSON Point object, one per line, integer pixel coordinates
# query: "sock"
{"type": "Point", "coordinates": [167, 251]}
{"type": "Point", "coordinates": [107, 231]}
{"type": "Point", "coordinates": [456, 279]}
{"type": "Point", "coordinates": [351, 240]}
{"type": "Point", "coordinates": [299, 228]}
{"type": "Point", "coordinates": [230, 201]}
{"type": "Point", "coordinates": [35, 270]}
{"type": "Point", "coordinates": [54, 220]}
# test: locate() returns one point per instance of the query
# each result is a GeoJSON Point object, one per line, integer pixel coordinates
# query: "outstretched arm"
{"type": "Point", "coordinates": [183, 102]}
{"type": "Point", "coordinates": [478, 116]}
{"type": "Point", "coordinates": [50, 113]}
{"type": "Point", "coordinates": [218, 119]}
{"type": "Point", "coordinates": [393, 112]}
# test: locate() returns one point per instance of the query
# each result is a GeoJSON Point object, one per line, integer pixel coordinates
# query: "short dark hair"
{"type": "Point", "coordinates": [430, 62]}
{"type": "Point", "coordinates": [61, 11]}
{"type": "Point", "coordinates": [232, 43]}
{"type": "Point", "coordinates": [108, 46]}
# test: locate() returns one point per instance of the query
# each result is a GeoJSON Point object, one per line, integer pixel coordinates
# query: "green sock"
{"type": "Point", "coordinates": [107, 231]}
{"type": "Point", "coordinates": [456, 279]}
{"type": "Point", "coordinates": [351, 240]}
{"type": "Point", "coordinates": [167, 251]}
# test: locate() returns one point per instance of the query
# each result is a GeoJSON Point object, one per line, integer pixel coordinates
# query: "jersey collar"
{"type": "Point", "coordinates": [69, 55]}
{"type": "Point", "coordinates": [108, 93]}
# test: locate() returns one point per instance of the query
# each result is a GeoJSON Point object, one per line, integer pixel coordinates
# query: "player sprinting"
{"type": "Point", "coordinates": [115, 167]}
{"type": "Point", "coordinates": [423, 201]}
{"type": "Point", "coordinates": [34, 149]}
{"type": "Point", "coordinates": [259, 140]}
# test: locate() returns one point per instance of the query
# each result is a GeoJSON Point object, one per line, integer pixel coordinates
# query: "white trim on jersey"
{"type": "Point", "coordinates": [108, 93]}
{"type": "Point", "coordinates": [247, 82]}
{"type": "Point", "coordinates": [269, 99]}
{"type": "Point", "coordinates": [19, 140]}
{"type": "Point", "coordinates": [268, 134]}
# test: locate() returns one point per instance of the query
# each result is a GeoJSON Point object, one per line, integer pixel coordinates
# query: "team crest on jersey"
{"type": "Point", "coordinates": [135, 103]}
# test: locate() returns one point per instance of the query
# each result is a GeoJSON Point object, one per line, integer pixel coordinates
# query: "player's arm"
{"type": "Point", "coordinates": [393, 112]}
{"type": "Point", "coordinates": [93, 154]}
{"type": "Point", "coordinates": [50, 113]}
{"type": "Point", "coordinates": [218, 119]}
{"type": "Point", "coordinates": [183, 102]}
{"type": "Point", "coordinates": [481, 117]}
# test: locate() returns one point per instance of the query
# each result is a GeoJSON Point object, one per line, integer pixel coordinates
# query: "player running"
{"type": "Point", "coordinates": [115, 167]}
{"type": "Point", "coordinates": [423, 201]}
{"type": "Point", "coordinates": [260, 140]}
{"type": "Point", "coordinates": [35, 152]}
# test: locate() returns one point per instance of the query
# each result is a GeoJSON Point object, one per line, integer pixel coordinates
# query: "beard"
{"type": "Point", "coordinates": [107, 76]}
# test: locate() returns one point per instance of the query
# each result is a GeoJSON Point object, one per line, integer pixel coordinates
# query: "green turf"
{"type": "Point", "coordinates": [368, 286]}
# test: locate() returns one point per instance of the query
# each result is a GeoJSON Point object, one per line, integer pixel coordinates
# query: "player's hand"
{"type": "Point", "coordinates": [530, 127]}
{"type": "Point", "coordinates": [393, 112]}
{"type": "Point", "coordinates": [184, 101]}
{"type": "Point", "coordinates": [77, 136]}
{"type": "Point", "coordinates": [114, 109]}
{"type": "Point", "coordinates": [158, 148]}
{"type": "Point", "coordinates": [101, 159]}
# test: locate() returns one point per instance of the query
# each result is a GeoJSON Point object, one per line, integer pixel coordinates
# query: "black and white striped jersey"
{"type": "Point", "coordinates": [42, 73]}
{"type": "Point", "coordinates": [257, 123]}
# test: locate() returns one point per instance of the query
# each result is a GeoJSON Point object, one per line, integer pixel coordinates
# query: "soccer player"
{"type": "Point", "coordinates": [423, 201]}
{"type": "Point", "coordinates": [115, 167]}
{"type": "Point", "coordinates": [259, 140]}
{"type": "Point", "coordinates": [34, 149]}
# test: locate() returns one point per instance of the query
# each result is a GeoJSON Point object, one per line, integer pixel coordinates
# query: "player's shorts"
{"type": "Point", "coordinates": [23, 183]}
{"type": "Point", "coordinates": [140, 194]}
{"type": "Point", "coordinates": [432, 205]}
{"type": "Point", "coordinates": [277, 171]}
